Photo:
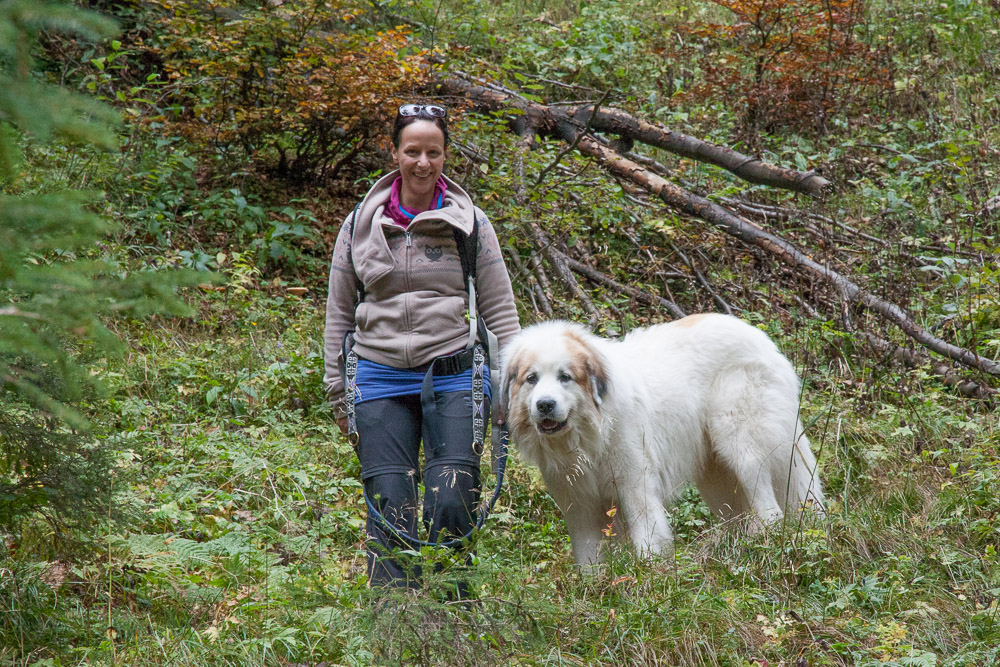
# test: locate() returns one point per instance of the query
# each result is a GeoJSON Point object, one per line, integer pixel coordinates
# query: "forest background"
{"type": "Point", "coordinates": [173, 489]}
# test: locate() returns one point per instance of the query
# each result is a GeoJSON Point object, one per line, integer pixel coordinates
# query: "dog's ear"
{"type": "Point", "coordinates": [509, 371]}
{"type": "Point", "coordinates": [594, 364]}
{"type": "Point", "coordinates": [598, 375]}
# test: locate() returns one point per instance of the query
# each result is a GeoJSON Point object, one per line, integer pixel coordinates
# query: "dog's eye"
{"type": "Point", "coordinates": [565, 377]}
{"type": "Point", "coordinates": [531, 378]}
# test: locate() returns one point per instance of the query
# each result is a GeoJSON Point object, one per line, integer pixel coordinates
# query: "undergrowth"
{"type": "Point", "coordinates": [248, 546]}
{"type": "Point", "coordinates": [238, 529]}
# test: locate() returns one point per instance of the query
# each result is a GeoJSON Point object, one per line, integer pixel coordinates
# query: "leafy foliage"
{"type": "Point", "coordinates": [53, 291]}
{"type": "Point", "coordinates": [248, 546]}
{"type": "Point", "coordinates": [789, 62]}
{"type": "Point", "coordinates": [292, 84]}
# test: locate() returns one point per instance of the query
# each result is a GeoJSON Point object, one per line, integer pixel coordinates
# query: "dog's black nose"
{"type": "Point", "coordinates": [545, 405]}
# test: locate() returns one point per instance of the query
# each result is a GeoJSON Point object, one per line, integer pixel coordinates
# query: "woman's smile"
{"type": "Point", "coordinates": [421, 156]}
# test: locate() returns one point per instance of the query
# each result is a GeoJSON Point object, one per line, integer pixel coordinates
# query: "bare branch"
{"type": "Point", "coordinates": [572, 146]}
{"type": "Point", "coordinates": [749, 168]}
{"type": "Point", "coordinates": [13, 311]}
{"type": "Point", "coordinates": [719, 301]}
{"type": "Point", "coordinates": [488, 95]}
{"type": "Point", "coordinates": [537, 292]}
{"type": "Point", "coordinates": [913, 359]}
{"type": "Point", "coordinates": [637, 294]}
{"type": "Point", "coordinates": [557, 260]}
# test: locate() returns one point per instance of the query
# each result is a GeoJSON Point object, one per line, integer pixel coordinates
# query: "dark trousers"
{"type": "Point", "coordinates": [390, 431]}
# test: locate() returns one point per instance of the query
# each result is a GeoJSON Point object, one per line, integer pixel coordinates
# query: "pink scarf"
{"type": "Point", "coordinates": [402, 216]}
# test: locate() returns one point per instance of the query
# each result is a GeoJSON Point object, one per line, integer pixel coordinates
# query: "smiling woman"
{"type": "Point", "coordinates": [398, 340]}
{"type": "Point", "coordinates": [419, 151]}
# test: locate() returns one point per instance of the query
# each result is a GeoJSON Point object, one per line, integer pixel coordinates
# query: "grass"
{"type": "Point", "coordinates": [244, 538]}
{"type": "Point", "coordinates": [247, 543]}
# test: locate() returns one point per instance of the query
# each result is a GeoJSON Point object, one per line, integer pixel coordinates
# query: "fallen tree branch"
{"type": "Point", "coordinates": [544, 118]}
{"type": "Point", "coordinates": [13, 311]}
{"type": "Point", "coordinates": [635, 293]}
{"type": "Point", "coordinates": [535, 262]}
{"type": "Point", "coordinates": [559, 156]}
{"type": "Point", "coordinates": [526, 137]}
{"type": "Point", "coordinates": [537, 294]}
{"type": "Point", "coordinates": [725, 220]}
{"type": "Point", "coordinates": [913, 359]}
{"type": "Point", "coordinates": [749, 168]}
{"type": "Point", "coordinates": [780, 213]}
{"type": "Point", "coordinates": [557, 260]}
{"type": "Point", "coordinates": [719, 301]}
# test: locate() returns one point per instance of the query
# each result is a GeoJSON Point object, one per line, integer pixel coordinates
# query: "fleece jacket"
{"type": "Point", "coordinates": [415, 306]}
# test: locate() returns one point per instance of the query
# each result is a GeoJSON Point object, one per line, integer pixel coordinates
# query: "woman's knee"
{"type": "Point", "coordinates": [452, 492]}
{"type": "Point", "coordinates": [394, 492]}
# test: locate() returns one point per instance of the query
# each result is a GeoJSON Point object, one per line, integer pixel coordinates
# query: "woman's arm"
{"type": "Point", "coordinates": [340, 305]}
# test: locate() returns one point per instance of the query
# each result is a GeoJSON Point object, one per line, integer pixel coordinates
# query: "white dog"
{"type": "Point", "coordinates": [706, 400]}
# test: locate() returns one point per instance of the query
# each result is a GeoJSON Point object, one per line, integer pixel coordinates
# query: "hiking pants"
{"type": "Point", "coordinates": [390, 431]}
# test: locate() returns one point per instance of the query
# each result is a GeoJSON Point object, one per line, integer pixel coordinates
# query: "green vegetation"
{"type": "Point", "coordinates": [220, 518]}
{"type": "Point", "coordinates": [55, 290]}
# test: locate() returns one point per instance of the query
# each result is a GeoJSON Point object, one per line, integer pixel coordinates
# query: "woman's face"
{"type": "Point", "coordinates": [420, 156]}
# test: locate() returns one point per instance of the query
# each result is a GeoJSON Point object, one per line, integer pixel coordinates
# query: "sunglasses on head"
{"type": "Point", "coordinates": [417, 109]}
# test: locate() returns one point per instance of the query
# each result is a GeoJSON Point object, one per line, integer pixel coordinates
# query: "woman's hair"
{"type": "Point", "coordinates": [402, 121]}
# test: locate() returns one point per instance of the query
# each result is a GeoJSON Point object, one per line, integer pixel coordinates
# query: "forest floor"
{"type": "Point", "coordinates": [235, 534]}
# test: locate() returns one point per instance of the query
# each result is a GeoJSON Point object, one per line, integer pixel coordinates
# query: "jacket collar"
{"type": "Point", "coordinates": [368, 241]}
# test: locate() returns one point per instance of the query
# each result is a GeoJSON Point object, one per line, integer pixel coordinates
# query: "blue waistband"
{"type": "Point", "coordinates": [374, 381]}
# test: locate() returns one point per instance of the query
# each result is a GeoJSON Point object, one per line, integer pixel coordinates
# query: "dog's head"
{"type": "Point", "coordinates": [554, 375]}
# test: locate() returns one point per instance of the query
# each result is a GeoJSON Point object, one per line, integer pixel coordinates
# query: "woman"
{"type": "Point", "coordinates": [396, 283]}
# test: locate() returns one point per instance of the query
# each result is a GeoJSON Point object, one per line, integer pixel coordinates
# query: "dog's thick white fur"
{"type": "Point", "coordinates": [706, 400]}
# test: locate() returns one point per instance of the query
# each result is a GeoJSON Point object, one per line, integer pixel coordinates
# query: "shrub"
{"type": "Point", "coordinates": [53, 291]}
{"type": "Point", "coordinates": [292, 84]}
{"type": "Point", "coordinates": [789, 62]}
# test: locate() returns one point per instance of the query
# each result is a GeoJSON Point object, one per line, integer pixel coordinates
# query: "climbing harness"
{"type": "Point", "coordinates": [475, 356]}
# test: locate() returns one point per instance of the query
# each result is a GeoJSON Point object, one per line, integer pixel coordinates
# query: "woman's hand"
{"type": "Point", "coordinates": [342, 424]}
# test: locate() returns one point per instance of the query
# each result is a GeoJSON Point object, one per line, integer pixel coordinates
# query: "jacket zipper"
{"type": "Point", "coordinates": [408, 354]}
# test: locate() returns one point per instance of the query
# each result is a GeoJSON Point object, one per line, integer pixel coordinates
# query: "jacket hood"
{"type": "Point", "coordinates": [457, 211]}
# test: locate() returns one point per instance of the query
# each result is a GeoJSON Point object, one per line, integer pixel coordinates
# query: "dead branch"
{"type": "Point", "coordinates": [910, 358]}
{"type": "Point", "coordinates": [526, 137]}
{"type": "Point", "coordinates": [725, 220]}
{"type": "Point", "coordinates": [556, 259]}
{"type": "Point", "coordinates": [913, 359]}
{"type": "Point", "coordinates": [490, 96]}
{"type": "Point", "coordinates": [805, 306]}
{"type": "Point", "coordinates": [637, 294]}
{"type": "Point", "coordinates": [749, 168]}
{"type": "Point", "coordinates": [535, 262]}
{"type": "Point", "coordinates": [719, 301]}
{"type": "Point", "coordinates": [13, 311]}
{"type": "Point", "coordinates": [559, 156]}
{"type": "Point", "coordinates": [777, 212]}
{"type": "Point", "coordinates": [537, 294]}
{"type": "Point", "coordinates": [653, 165]}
